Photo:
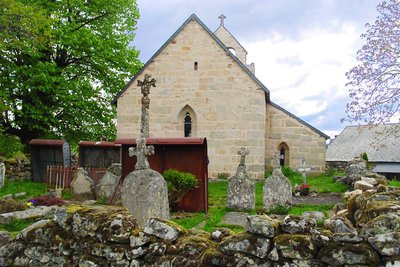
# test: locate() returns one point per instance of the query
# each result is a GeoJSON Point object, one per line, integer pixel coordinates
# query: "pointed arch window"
{"type": "Point", "coordinates": [187, 122]}
{"type": "Point", "coordinates": [284, 154]}
{"type": "Point", "coordinates": [188, 125]}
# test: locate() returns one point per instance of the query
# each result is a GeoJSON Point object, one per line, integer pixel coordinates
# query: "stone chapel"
{"type": "Point", "coordinates": [205, 88]}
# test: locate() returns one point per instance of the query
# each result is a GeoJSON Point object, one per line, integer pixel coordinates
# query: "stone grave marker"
{"type": "Point", "coordinates": [304, 170]}
{"type": "Point", "coordinates": [277, 189]}
{"type": "Point", "coordinates": [144, 191]}
{"type": "Point", "coordinates": [82, 186]}
{"type": "Point", "coordinates": [2, 174]}
{"type": "Point", "coordinates": [241, 187]}
{"type": "Point", "coordinates": [109, 186]}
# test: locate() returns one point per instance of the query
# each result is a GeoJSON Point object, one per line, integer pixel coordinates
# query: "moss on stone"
{"type": "Point", "coordinates": [182, 230]}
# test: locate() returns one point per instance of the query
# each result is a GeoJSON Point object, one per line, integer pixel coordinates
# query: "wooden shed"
{"type": "Point", "coordinates": [187, 154]}
{"type": "Point", "coordinates": [47, 152]}
{"type": "Point", "coordinates": [100, 154]}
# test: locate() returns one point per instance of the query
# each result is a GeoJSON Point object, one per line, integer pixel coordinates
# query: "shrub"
{"type": "Point", "coordinates": [223, 176]}
{"type": "Point", "coordinates": [48, 201]}
{"type": "Point", "coordinates": [10, 205]}
{"type": "Point", "coordinates": [179, 183]}
{"type": "Point", "coordinates": [10, 145]}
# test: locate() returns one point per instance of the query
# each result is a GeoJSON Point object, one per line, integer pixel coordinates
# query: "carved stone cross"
{"type": "Point", "coordinates": [243, 152]}
{"type": "Point", "coordinates": [145, 89]}
{"type": "Point", "coordinates": [222, 17]}
{"type": "Point", "coordinates": [141, 151]}
{"type": "Point", "coordinates": [276, 160]}
{"type": "Point", "coordinates": [303, 170]}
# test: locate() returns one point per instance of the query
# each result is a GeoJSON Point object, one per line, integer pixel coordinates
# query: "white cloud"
{"type": "Point", "coordinates": [306, 74]}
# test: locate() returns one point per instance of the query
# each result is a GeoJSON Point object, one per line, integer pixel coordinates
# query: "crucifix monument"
{"type": "Point", "coordinates": [241, 187]}
{"type": "Point", "coordinates": [303, 170]}
{"type": "Point", "coordinates": [144, 191]}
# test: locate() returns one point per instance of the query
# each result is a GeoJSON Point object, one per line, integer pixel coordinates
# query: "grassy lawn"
{"type": "Point", "coordinates": [217, 200]}
{"type": "Point", "coordinates": [32, 189]}
{"type": "Point", "coordinates": [394, 183]}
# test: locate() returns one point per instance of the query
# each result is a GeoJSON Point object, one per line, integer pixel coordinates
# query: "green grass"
{"type": "Point", "coordinates": [298, 210]}
{"type": "Point", "coordinates": [32, 189]}
{"type": "Point", "coordinates": [394, 183]}
{"type": "Point", "coordinates": [15, 226]}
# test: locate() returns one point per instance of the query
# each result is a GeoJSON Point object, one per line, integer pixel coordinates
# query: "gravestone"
{"type": "Point", "coordinates": [2, 174]}
{"type": "Point", "coordinates": [277, 189]}
{"type": "Point", "coordinates": [303, 170]}
{"type": "Point", "coordinates": [82, 186]}
{"type": "Point", "coordinates": [144, 191]}
{"type": "Point", "coordinates": [109, 187]}
{"type": "Point", "coordinates": [241, 187]}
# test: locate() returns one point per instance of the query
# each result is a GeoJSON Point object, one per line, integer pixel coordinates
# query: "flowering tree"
{"type": "Point", "coordinates": [374, 84]}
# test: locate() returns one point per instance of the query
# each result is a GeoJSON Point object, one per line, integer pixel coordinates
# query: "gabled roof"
{"type": "Point", "coordinates": [380, 142]}
{"type": "Point", "coordinates": [299, 120]}
{"type": "Point", "coordinates": [195, 18]}
{"type": "Point", "coordinates": [221, 26]}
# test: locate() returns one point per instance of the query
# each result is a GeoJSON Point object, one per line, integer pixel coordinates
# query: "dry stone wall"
{"type": "Point", "coordinates": [109, 236]}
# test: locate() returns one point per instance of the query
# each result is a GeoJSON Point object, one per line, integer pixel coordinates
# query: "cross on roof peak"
{"type": "Point", "coordinates": [222, 17]}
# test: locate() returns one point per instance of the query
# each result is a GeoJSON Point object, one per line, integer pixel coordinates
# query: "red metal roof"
{"type": "Point", "coordinates": [98, 143]}
{"type": "Point", "coordinates": [165, 141]}
{"type": "Point", "coordinates": [46, 142]}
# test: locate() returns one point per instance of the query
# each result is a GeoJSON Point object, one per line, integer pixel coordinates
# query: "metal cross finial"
{"type": "Point", "coordinates": [243, 152]}
{"type": "Point", "coordinates": [145, 88]}
{"type": "Point", "coordinates": [141, 151]}
{"type": "Point", "coordinates": [222, 17]}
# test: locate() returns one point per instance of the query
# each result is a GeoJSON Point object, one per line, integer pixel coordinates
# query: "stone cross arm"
{"type": "Point", "coordinates": [222, 17]}
{"type": "Point", "coordinates": [243, 152]}
{"type": "Point", "coordinates": [146, 84]}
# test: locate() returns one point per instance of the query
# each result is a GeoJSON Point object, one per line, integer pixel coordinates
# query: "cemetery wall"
{"type": "Point", "coordinates": [18, 168]}
{"type": "Point", "coordinates": [109, 236]}
{"type": "Point", "coordinates": [303, 142]}
{"type": "Point", "coordinates": [336, 165]}
{"type": "Point", "coordinates": [195, 75]}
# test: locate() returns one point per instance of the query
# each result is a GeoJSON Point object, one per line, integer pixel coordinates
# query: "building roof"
{"type": "Point", "coordinates": [387, 167]}
{"type": "Point", "coordinates": [380, 142]}
{"type": "Point", "coordinates": [195, 18]}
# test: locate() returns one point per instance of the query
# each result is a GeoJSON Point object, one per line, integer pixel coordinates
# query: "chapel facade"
{"type": "Point", "coordinates": [205, 88]}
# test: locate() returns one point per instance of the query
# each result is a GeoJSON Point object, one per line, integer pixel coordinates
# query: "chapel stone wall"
{"type": "Point", "coordinates": [303, 142]}
{"type": "Point", "coordinates": [193, 70]}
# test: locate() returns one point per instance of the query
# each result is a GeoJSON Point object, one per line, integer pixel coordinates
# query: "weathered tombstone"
{"type": "Point", "coordinates": [303, 170]}
{"type": "Point", "coordinates": [109, 187]}
{"type": "Point", "coordinates": [2, 174]}
{"type": "Point", "coordinates": [144, 191]}
{"type": "Point", "coordinates": [82, 186]}
{"type": "Point", "coordinates": [241, 187]}
{"type": "Point", "coordinates": [277, 189]}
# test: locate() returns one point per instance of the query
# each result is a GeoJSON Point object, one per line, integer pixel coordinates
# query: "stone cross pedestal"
{"type": "Point", "coordinates": [144, 191]}
{"type": "Point", "coordinates": [2, 174]}
{"type": "Point", "coordinates": [303, 170]}
{"type": "Point", "coordinates": [241, 187]}
{"type": "Point", "coordinates": [276, 160]}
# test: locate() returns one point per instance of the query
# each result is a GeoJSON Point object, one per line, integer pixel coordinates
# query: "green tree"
{"type": "Point", "coordinates": [61, 63]}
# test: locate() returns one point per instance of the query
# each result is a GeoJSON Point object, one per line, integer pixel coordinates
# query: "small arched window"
{"type": "Point", "coordinates": [232, 50]}
{"type": "Point", "coordinates": [284, 154]}
{"type": "Point", "coordinates": [187, 125]}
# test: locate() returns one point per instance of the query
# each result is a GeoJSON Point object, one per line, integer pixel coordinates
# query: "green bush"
{"type": "Point", "coordinates": [223, 176]}
{"type": "Point", "coordinates": [10, 145]}
{"type": "Point", "coordinates": [179, 183]}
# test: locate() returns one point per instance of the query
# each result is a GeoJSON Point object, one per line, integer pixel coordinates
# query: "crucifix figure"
{"type": "Point", "coordinates": [243, 152]}
{"type": "Point", "coordinates": [276, 160]}
{"type": "Point", "coordinates": [145, 88]}
{"type": "Point", "coordinates": [222, 17]}
{"type": "Point", "coordinates": [141, 151]}
{"type": "Point", "coordinates": [303, 170]}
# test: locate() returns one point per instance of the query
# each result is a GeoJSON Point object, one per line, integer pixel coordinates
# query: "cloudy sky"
{"type": "Point", "coordinates": [301, 48]}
